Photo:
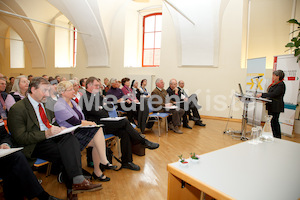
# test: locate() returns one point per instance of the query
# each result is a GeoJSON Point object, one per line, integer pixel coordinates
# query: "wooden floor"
{"type": "Point", "coordinates": [152, 181]}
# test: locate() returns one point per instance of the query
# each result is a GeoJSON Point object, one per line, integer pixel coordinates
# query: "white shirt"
{"type": "Point", "coordinates": [35, 105]}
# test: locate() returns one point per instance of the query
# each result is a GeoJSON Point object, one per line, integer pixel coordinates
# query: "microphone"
{"type": "Point", "coordinates": [258, 76]}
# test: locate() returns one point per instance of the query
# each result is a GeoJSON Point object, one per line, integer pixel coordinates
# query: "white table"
{"type": "Point", "coordinates": [243, 171]}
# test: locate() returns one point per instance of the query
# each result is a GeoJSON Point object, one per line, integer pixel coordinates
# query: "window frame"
{"type": "Point", "coordinates": [143, 45]}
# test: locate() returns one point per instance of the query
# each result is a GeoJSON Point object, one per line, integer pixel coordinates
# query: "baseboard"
{"type": "Point", "coordinates": [221, 118]}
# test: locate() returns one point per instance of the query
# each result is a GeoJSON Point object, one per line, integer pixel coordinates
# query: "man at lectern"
{"type": "Point", "coordinates": [275, 92]}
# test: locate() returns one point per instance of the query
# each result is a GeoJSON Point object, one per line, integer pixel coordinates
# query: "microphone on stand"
{"type": "Point", "coordinates": [258, 76]}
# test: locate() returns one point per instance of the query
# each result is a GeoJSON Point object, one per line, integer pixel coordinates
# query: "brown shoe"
{"type": "Point", "coordinates": [86, 186]}
{"type": "Point", "coordinates": [176, 130]}
{"type": "Point", "coordinates": [171, 126]}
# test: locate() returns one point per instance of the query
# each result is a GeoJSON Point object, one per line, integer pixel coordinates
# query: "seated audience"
{"type": "Point", "coordinates": [53, 96]}
{"type": "Point", "coordinates": [77, 94]}
{"type": "Point", "coordinates": [57, 77]}
{"type": "Point", "coordinates": [82, 85]}
{"type": "Point", "coordinates": [106, 86]}
{"type": "Point", "coordinates": [29, 125]}
{"type": "Point", "coordinates": [161, 94]}
{"type": "Point", "coordinates": [135, 89]}
{"type": "Point", "coordinates": [174, 91]}
{"type": "Point", "coordinates": [93, 108]}
{"type": "Point", "coordinates": [45, 77]}
{"type": "Point", "coordinates": [18, 92]}
{"type": "Point", "coordinates": [143, 89]}
{"type": "Point", "coordinates": [18, 178]}
{"type": "Point", "coordinates": [10, 84]}
{"type": "Point", "coordinates": [30, 77]}
{"type": "Point", "coordinates": [123, 101]}
{"type": "Point", "coordinates": [68, 114]}
{"type": "Point", "coordinates": [3, 97]}
{"type": "Point", "coordinates": [192, 107]}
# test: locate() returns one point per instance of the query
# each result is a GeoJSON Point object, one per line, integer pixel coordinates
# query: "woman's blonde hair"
{"type": "Point", "coordinates": [63, 86]}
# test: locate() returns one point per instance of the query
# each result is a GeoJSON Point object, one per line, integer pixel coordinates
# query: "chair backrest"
{"type": "Point", "coordinates": [150, 107]}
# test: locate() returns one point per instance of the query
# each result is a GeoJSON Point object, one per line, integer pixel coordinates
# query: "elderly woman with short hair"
{"type": "Point", "coordinates": [18, 91]}
{"type": "Point", "coordinates": [68, 114]}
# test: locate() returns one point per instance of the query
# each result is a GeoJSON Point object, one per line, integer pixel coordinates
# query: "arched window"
{"type": "Point", "coordinates": [152, 40]}
{"type": "Point", "coordinates": [65, 43]}
{"type": "Point", "coordinates": [17, 57]}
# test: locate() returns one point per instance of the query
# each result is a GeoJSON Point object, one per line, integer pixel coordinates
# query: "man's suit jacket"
{"type": "Point", "coordinates": [92, 112]}
{"type": "Point", "coordinates": [24, 126]}
{"type": "Point", "coordinates": [4, 136]}
{"type": "Point", "coordinates": [275, 93]}
{"type": "Point", "coordinates": [163, 93]}
{"type": "Point", "coordinates": [172, 92]}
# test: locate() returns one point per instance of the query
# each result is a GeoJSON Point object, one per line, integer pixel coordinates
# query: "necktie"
{"type": "Point", "coordinates": [76, 100]}
{"type": "Point", "coordinates": [44, 117]}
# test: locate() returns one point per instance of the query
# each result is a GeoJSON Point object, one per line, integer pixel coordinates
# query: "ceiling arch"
{"type": "Point", "coordinates": [25, 30]}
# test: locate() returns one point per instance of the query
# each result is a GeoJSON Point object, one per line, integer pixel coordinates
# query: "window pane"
{"type": "Point", "coordinates": [157, 57]}
{"type": "Point", "coordinates": [149, 40]}
{"type": "Point", "coordinates": [157, 40]}
{"type": "Point", "coordinates": [148, 57]}
{"type": "Point", "coordinates": [158, 23]}
{"type": "Point", "coordinates": [149, 24]}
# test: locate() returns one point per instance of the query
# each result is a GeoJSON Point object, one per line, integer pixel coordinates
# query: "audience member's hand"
{"type": "Point", "coordinates": [186, 99]}
{"type": "Point", "coordinates": [176, 90]}
{"type": "Point", "coordinates": [53, 131]}
{"type": "Point", "coordinates": [128, 101]}
{"type": "Point", "coordinates": [136, 101]}
{"type": "Point", "coordinates": [87, 123]}
{"type": "Point", "coordinates": [120, 100]}
{"type": "Point", "coordinates": [259, 95]}
{"type": "Point", "coordinates": [4, 146]}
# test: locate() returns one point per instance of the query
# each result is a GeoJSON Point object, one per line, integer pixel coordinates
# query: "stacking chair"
{"type": "Point", "coordinates": [156, 117]}
{"type": "Point", "coordinates": [40, 162]}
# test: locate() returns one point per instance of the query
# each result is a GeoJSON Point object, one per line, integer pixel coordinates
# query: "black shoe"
{"type": "Point", "coordinates": [100, 178]}
{"type": "Point", "coordinates": [187, 126]}
{"type": "Point", "coordinates": [131, 165]}
{"type": "Point", "coordinates": [107, 166]}
{"type": "Point", "coordinates": [199, 123]}
{"type": "Point", "coordinates": [151, 145]}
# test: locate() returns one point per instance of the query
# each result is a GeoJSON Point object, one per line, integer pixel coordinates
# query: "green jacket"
{"type": "Point", "coordinates": [24, 127]}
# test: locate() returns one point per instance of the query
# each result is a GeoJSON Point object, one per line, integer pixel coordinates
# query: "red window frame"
{"type": "Point", "coordinates": [154, 14]}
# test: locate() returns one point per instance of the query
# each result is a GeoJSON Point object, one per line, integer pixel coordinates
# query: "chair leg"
{"type": "Point", "coordinates": [48, 169]}
{"type": "Point", "coordinates": [119, 147]}
{"type": "Point", "coordinates": [167, 128]}
{"type": "Point", "coordinates": [158, 127]}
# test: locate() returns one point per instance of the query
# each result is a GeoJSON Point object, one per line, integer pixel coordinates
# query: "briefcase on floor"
{"type": "Point", "coordinates": [138, 149]}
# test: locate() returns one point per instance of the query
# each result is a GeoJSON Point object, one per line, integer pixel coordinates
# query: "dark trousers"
{"type": "Point", "coordinates": [63, 150]}
{"type": "Point", "coordinates": [126, 133]}
{"type": "Point", "coordinates": [176, 116]}
{"type": "Point", "coordinates": [275, 124]}
{"type": "Point", "coordinates": [191, 109]}
{"type": "Point", "coordinates": [131, 114]}
{"type": "Point", "coordinates": [18, 178]}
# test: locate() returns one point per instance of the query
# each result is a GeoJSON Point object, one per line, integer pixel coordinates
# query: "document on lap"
{"type": "Point", "coordinates": [66, 130]}
{"type": "Point", "coordinates": [171, 107]}
{"type": "Point", "coordinates": [112, 119]}
{"type": "Point", "coordinates": [5, 152]}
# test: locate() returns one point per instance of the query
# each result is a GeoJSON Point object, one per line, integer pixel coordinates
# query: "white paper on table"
{"type": "Point", "coordinates": [66, 130]}
{"type": "Point", "coordinates": [112, 119]}
{"type": "Point", "coordinates": [4, 152]}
